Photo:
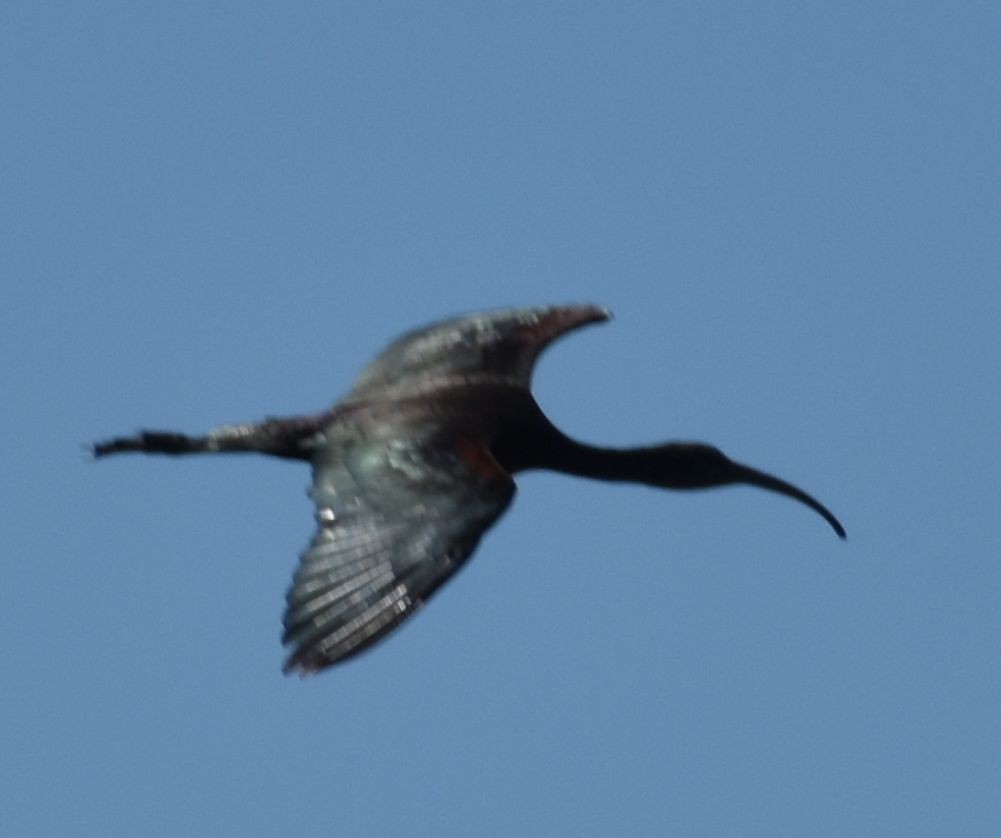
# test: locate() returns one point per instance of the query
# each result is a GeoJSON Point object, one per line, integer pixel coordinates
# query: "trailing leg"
{"type": "Point", "coordinates": [278, 437]}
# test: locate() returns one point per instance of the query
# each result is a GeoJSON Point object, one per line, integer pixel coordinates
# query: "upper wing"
{"type": "Point", "coordinates": [495, 344]}
{"type": "Point", "coordinates": [397, 517]}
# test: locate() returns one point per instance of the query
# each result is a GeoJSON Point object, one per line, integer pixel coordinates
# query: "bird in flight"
{"type": "Point", "coordinates": [416, 463]}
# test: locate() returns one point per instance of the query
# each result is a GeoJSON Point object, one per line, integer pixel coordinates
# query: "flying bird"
{"type": "Point", "coordinates": [416, 463]}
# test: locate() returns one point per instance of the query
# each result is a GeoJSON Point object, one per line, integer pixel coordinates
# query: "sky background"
{"type": "Point", "coordinates": [219, 212]}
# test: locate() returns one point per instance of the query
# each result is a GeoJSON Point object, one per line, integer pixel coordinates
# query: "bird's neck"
{"type": "Point", "coordinates": [668, 466]}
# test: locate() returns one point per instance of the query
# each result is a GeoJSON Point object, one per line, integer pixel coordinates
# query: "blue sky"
{"type": "Point", "coordinates": [215, 214]}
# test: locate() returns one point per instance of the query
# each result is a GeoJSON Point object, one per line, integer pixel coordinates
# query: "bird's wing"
{"type": "Point", "coordinates": [494, 345]}
{"type": "Point", "coordinates": [396, 518]}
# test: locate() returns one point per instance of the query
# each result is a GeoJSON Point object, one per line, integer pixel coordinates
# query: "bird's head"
{"type": "Point", "coordinates": [695, 465]}
{"type": "Point", "coordinates": [686, 465]}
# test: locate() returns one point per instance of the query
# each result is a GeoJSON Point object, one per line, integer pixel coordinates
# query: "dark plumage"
{"type": "Point", "coordinates": [416, 463]}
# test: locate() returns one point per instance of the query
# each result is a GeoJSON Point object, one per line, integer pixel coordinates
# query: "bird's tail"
{"type": "Point", "coordinates": [287, 438]}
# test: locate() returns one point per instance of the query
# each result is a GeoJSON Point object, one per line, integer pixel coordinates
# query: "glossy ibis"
{"type": "Point", "coordinates": [414, 465]}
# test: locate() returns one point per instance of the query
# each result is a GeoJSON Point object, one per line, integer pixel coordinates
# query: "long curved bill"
{"type": "Point", "coordinates": [746, 474]}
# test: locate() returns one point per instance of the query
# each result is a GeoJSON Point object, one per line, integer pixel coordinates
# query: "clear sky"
{"type": "Point", "coordinates": [215, 212]}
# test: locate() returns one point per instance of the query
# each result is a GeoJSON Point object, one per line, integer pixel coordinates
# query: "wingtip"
{"type": "Point", "coordinates": [292, 666]}
{"type": "Point", "coordinates": [567, 318]}
{"type": "Point", "coordinates": [302, 664]}
{"type": "Point", "coordinates": [595, 313]}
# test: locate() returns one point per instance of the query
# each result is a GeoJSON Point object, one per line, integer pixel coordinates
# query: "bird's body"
{"type": "Point", "coordinates": [415, 463]}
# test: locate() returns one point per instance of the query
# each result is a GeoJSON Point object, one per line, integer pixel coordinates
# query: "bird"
{"type": "Point", "coordinates": [417, 462]}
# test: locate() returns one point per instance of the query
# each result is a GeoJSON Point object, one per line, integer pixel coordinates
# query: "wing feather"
{"type": "Point", "coordinates": [492, 346]}
{"type": "Point", "coordinates": [397, 518]}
